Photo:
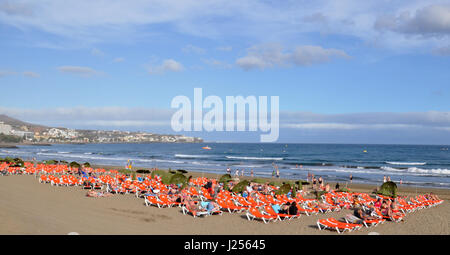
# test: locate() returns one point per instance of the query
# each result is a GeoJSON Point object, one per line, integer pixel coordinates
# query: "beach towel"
{"type": "Point", "coordinates": [276, 208]}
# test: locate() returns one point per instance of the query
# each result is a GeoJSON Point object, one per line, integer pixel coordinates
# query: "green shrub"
{"type": "Point", "coordinates": [258, 180]}
{"type": "Point", "coordinates": [165, 176]}
{"type": "Point", "coordinates": [10, 138]}
{"type": "Point", "coordinates": [225, 178]}
{"type": "Point", "coordinates": [319, 194]}
{"type": "Point", "coordinates": [284, 189]}
{"type": "Point", "coordinates": [74, 164]}
{"type": "Point", "coordinates": [388, 189]}
{"type": "Point", "coordinates": [241, 186]}
{"type": "Point", "coordinates": [143, 171]}
{"type": "Point", "coordinates": [178, 179]}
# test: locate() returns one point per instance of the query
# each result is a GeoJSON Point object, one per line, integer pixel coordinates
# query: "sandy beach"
{"type": "Point", "coordinates": [28, 207]}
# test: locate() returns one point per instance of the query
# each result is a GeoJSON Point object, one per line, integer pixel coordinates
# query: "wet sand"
{"type": "Point", "coordinates": [28, 207]}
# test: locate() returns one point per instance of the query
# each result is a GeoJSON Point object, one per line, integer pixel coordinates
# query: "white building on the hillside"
{"type": "Point", "coordinates": [5, 128]}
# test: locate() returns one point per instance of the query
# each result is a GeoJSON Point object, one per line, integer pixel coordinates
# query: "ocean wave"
{"type": "Point", "coordinates": [164, 161]}
{"type": "Point", "coordinates": [248, 166]}
{"type": "Point", "coordinates": [406, 163]}
{"type": "Point", "coordinates": [190, 156]}
{"type": "Point", "coordinates": [437, 171]}
{"type": "Point", "coordinates": [253, 158]}
{"type": "Point", "coordinates": [82, 156]}
{"type": "Point", "coordinates": [387, 168]}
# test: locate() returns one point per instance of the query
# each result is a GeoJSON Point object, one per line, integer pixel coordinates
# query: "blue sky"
{"type": "Point", "coordinates": [329, 58]}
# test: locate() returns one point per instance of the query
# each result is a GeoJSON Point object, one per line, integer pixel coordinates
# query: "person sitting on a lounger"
{"type": "Point", "coordinates": [377, 204]}
{"type": "Point", "coordinates": [394, 210]}
{"type": "Point", "coordinates": [284, 208]}
{"type": "Point", "coordinates": [384, 208]}
{"type": "Point", "coordinates": [293, 209]}
{"type": "Point", "coordinates": [362, 215]}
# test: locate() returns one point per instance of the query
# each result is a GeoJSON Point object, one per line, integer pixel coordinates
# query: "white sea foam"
{"type": "Point", "coordinates": [387, 168]}
{"type": "Point", "coordinates": [190, 156]}
{"type": "Point", "coordinates": [253, 158]}
{"type": "Point", "coordinates": [437, 171]}
{"type": "Point", "coordinates": [406, 163]}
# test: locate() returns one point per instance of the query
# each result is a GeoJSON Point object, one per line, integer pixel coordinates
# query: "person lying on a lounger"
{"type": "Point", "coordinates": [212, 207]}
{"type": "Point", "coordinates": [93, 193]}
{"type": "Point", "coordinates": [192, 206]}
{"type": "Point", "coordinates": [321, 205]}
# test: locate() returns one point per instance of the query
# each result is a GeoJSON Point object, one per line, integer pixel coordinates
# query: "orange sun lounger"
{"type": "Point", "coordinates": [340, 227]}
{"type": "Point", "coordinates": [253, 213]}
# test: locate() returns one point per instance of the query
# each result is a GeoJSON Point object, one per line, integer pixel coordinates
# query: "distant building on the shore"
{"type": "Point", "coordinates": [5, 128]}
{"type": "Point", "coordinates": [25, 134]}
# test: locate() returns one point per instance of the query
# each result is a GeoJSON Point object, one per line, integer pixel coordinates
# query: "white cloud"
{"type": "Point", "coordinates": [118, 60]}
{"type": "Point", "coordinates": [98, 53]}
{"type": "Point", "coordinates": [271, 55]}
{"type": "Point", "coordinates": [224, 48]}
{"type": "Point", "coordinates": [315, 18]}
{"type": "Point", "coordinates": [31, 74]}
{"type": "Point", "coordinates": [442, 51]}
{"type": "Point", "coordinates": [90, 22]}
{"type": "Point", "coordinates": [79, 70]}
{"type": "Point", "coordinates": [217, 63]}
{"type": "Point", "coordinates": [345, 126]}
{"type": "Point", "coordinates": [125, 116]}
{"type": "Point", "coordinates": [168, 65]}
{"type": "Point", "coordinates": [431, 20]}
{"type": "Point", "coordinates": [193, 49]}
{"type": "Point", "coordinates": [4, 73]}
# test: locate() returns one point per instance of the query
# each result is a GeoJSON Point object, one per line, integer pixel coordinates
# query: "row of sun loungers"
{"type": "Point", "coordinates": [256, 207]}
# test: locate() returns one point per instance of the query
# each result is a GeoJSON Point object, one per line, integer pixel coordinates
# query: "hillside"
{"type": "Point", "coordinates": [18, 124]}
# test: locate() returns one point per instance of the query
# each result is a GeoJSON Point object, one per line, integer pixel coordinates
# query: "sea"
{"type": "Point", "coordinates": [413, 165]}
